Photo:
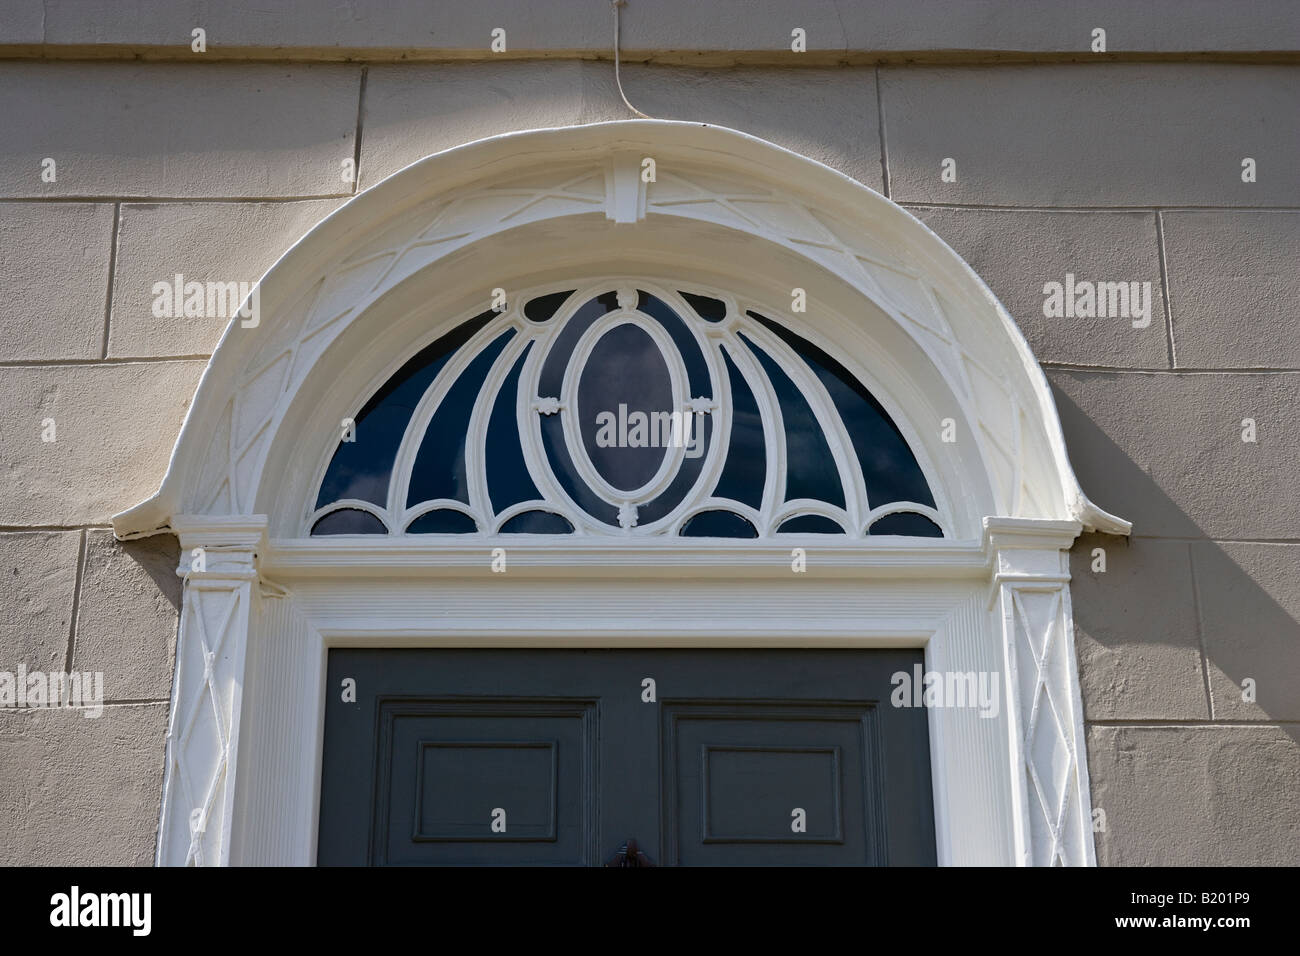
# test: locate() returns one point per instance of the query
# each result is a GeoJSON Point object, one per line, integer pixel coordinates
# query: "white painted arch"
{"type": "Point", "coordinates": [391, 269]}
{"type": "Point", "coordinates": [448, 208]}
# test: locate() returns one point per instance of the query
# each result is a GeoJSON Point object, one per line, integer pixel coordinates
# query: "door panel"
{"type": "Point", "coordinates": [749, 757]}
{"type": "Point", "coordinates": [772, 783]}
{"type": "Point", "coordinates": [446, 762]}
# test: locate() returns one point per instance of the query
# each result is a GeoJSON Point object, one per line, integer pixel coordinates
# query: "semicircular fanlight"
{"type": "Point", "coordinates": [624, 408]}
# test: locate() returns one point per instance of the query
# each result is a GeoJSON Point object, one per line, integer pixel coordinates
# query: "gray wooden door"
{"type": "Point", "coordinates": [558, 757]}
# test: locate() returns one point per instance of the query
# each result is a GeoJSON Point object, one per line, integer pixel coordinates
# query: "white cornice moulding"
{"type": "Point", "coordinates": [662, 558]}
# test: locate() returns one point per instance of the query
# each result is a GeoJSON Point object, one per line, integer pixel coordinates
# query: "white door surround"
{"type": "Point", "coordinates": [357, 296]}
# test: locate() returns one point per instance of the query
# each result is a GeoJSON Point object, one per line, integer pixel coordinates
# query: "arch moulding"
{"type": "Point", "coordinates": [389, 270]}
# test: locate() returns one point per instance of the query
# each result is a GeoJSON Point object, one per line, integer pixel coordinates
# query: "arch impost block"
{"type": "Point", "coordinates": [220, 547]}
{"type": "Point", "coordinates": [1009, 542]}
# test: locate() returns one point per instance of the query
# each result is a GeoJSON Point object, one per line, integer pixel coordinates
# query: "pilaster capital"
{"type": "Point", "coordinates": [220, 547]}
{"type": "Point", "coordinates": [1029, 550]}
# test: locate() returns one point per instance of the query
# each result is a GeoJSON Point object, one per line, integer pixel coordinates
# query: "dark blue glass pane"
{"type": "Point", "coordinates": [552, 376]}
{"type": "Point", "coordinates": [544, 307]}
{"type": "Point", "coordinates": [349, 521]}
{"type": "Point", "coordinates": [809, 465]}
{"type": "Point", "coordinates": [439, 470]}
{"type": "Point", "coordinates": [697, 371]}
{"type": "Point", "coordinates": [907, 523]}
{"type": "Point", "coordinates": [557, 456]}
{"type": "Point", "coordinates": [888, 465]}
{"type": "Point", "coordinates": [687, 473]}
{"type": "Point", "coordinates": [745, 472]}
{"type": "Point", "coordinates": [507, 474]}
{"type": "Point", "coordinates": [442, 521]}
{"type": "Point", "coordinates": [625, 404]}
{"type": "Point", "coordinates": [718, 524]}
{"type": "Point", "coordinates": [714, 310]}
{"type": "Point", "coordinates": [362, 468]}
{"type": "Point", "coordinates": [809, 524]}
{"type": "Point", "coordinates": [537, 522]}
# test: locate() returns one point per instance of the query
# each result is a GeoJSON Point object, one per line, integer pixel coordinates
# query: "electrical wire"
{"type": "Point", "coordinates": [618, 79]}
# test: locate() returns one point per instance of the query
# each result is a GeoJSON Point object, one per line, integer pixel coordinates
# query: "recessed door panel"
{"type": "Point", "coordinates": [484, 781]}
{"type": "Point", "coordinates": [772, 783]}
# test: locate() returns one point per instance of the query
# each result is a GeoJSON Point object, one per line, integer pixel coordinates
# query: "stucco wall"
{"type": "Point", "coordinates": [1114, 169]}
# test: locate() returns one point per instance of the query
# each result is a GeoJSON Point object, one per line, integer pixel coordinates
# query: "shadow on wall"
{"type": "Point", "coordinates": [158, 557]}
{"type": "Point", "coordinates": [1187, 768]}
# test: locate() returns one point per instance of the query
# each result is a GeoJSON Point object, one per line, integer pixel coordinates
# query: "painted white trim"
{"type": "Point", "coordinates": [989, 782]}
{"type": "Point", "coordinates": [388, 271]}
{"type": "Point", "coordinates": [1030, 597]}
{"type": "Point", "coordinates": [404, 593]}
{"type": "Point", "coordinates": [219, 567]}
{"type": "Point", "coordinates": [595, 557]}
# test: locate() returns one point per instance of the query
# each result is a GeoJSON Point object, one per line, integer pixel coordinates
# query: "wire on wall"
{"type": "Point", "coordinates": [618, 79]}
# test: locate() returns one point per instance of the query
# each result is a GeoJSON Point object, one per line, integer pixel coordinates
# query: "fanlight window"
{"type": "Point", "coordinates": [624, 408]}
